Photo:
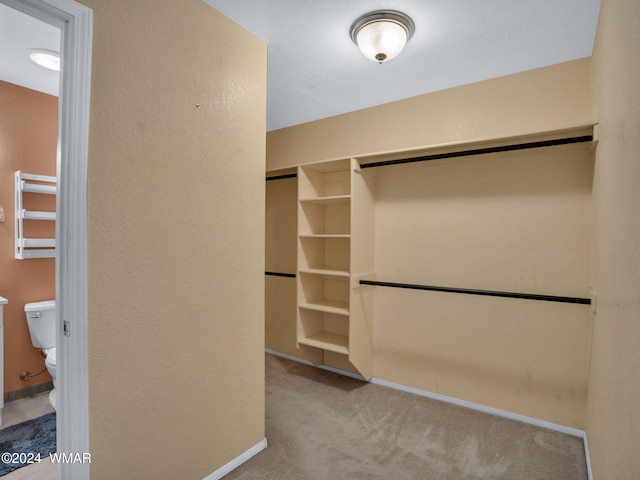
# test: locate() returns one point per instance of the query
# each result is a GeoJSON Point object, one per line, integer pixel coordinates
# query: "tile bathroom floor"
{"type": "Point", "coordinates": [18, 411]}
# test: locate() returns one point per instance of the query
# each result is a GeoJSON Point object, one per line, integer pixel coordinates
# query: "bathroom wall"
{"type": "Point", "coordinates": [613, 415]}
{"type": "Point", "coordinates": [510, 222]}
{"type": "Point", "coordinates": [28, 138]}
{"type": "Point", "coordinates": [175, 240]}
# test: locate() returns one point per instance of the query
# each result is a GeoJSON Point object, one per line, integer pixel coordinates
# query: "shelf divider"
{"type": "Point", "coordinates": [328, 306]}
{"type": "Point", "coordinates": [333, 342]}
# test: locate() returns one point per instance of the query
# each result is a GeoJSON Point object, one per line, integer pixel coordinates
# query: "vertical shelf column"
{"type": "Point", "coordinates": [362, 266]}
{"type": "Point", "coordinates": [325, 290]}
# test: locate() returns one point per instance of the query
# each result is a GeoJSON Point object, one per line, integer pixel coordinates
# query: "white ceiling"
{"type": "Point", "coordinates": [315, 70]}
{"type": "Point", "coordinates": [18, 33]}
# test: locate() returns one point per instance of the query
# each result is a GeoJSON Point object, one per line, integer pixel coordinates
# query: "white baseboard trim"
{"type": "Point", "coordinates": [236, 462]}
{"type": "Point", "coordinates": [587, 456]}
{"type": "Point", "coordinates": [483, 408]}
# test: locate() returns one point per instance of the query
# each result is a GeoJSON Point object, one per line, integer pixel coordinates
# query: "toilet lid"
{"type": "Point", "coordinates": [35, 306]}
{"type": "Point", "coordinates": [51, 356]}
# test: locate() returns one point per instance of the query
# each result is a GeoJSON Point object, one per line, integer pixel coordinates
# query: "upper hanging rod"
{"type": "Point", "coordinates": [482, 151]}
{"type": "Point", "coordinates": [486, 293]}
{"type": "Point", "coordinates": [465, 153]}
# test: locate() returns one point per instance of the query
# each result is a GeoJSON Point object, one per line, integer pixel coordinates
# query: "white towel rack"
{"type": "Point", "coordinates": [33, 247]}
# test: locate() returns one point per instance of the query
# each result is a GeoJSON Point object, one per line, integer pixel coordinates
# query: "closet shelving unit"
{"type": "Point", "coordinates": [26, 247]}
{"type": "Point", "coordinates": [335, 250]}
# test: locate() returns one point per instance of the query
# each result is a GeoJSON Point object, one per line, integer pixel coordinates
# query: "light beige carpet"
{"type": "Point", "coordinates": [321, 426]}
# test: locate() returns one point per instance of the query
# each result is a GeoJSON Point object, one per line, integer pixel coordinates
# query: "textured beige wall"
{"type": "Point", "coordinates": [515, 222]}
{"type": "Point", "coordinates": [175, 240]}
{"type": "Point", "coordinates": [613, 417]}
{"type": "Point", "coordinates": [280, 292]}
{"type": "Point", "coordinates": [537, 100]}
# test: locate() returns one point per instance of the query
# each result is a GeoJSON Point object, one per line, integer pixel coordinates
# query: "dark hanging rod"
{"type": "Point", "coordinates": [486, 293]}
{"type": "Point", "coordinates": [282, 177]}
{"type": "Point", "coordinates": [465, 153]}
{"type": "Point", "coordinates": [482, 151]}
{"type": "Point", "coordinates": [278, 274]}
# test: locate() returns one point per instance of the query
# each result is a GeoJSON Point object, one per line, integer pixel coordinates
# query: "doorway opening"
{"type": "Point", "coordinates": [75, 22]}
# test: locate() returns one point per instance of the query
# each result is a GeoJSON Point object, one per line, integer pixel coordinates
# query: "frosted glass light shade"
{"type": "Point", "coordinates": [45, 58]}
{"type": "Point", "coordinates": [381, 41]}
{"type": "Point", "coordinates": [382, 35]}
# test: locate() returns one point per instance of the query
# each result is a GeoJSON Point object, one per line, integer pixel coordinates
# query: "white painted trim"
{"type": "Point", "coordinates": [71, 230]}
{"type": "Point", "coordinates": [587, 457]}
{"type": "Point", "coordinates": [236, 462]}
{"type": "Point", "coordinates": [76, 23]}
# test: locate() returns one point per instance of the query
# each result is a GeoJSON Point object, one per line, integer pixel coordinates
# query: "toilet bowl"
{"type": "Point", "coordinates": [41, 319]}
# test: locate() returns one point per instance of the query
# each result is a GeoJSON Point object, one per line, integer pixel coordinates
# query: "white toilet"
{"type": "Point", "coordinates": [41, 318]}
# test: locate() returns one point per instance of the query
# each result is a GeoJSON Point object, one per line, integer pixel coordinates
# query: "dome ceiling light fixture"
{"type": "Point", "coordinates": [45, 58]}
{"type": "Point", "coordinates": [381, 35]}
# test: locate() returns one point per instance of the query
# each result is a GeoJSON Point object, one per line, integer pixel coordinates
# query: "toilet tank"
{"type": "Point", "coordinates": [41, 318]}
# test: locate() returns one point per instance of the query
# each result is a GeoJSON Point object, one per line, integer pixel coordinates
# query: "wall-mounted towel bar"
{"type": "Point", "coordinates": [35, 215]}
{"type": "Point", "coordinates": [33, 247]}
{"type": "Point", "coordinates": [486, 293]}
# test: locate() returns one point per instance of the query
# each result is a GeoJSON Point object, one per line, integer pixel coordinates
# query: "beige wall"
{"type": "Point", "coordinates": [513, 222]}
{"type": "Point", "coordinates": [280, 257]}
{"type": "Point", "coordinates": [175, 240]}
{"type": "Point", "coordinates": [28, 138]}
{"type": "Point", "coordinates": [614, 389]}
{"type": "Point", "coordinates": [537, 100]}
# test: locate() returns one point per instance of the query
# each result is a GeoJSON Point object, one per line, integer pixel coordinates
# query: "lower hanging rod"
{"type": "Point", "coordinates": [486, 293]}
{"type": "Point", "coordinates": [282, 177]}
{"type": "Point", "coordinates": [279, 274]}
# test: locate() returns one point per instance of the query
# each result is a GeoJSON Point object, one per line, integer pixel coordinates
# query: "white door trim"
{"type": "Point", "coordinates": [75, 21]}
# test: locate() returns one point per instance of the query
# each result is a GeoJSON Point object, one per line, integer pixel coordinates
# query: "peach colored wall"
{"type": "Point", "coordinates": [514, 222]}
{"type": "Point", "coordinates": [175, 240]}
{"type": "Point", "coordinates": [542, 99]}
{"type": "Point", "coordinates": [613, 416]}
{"type": "Point", "coordinates": [28, 138]}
